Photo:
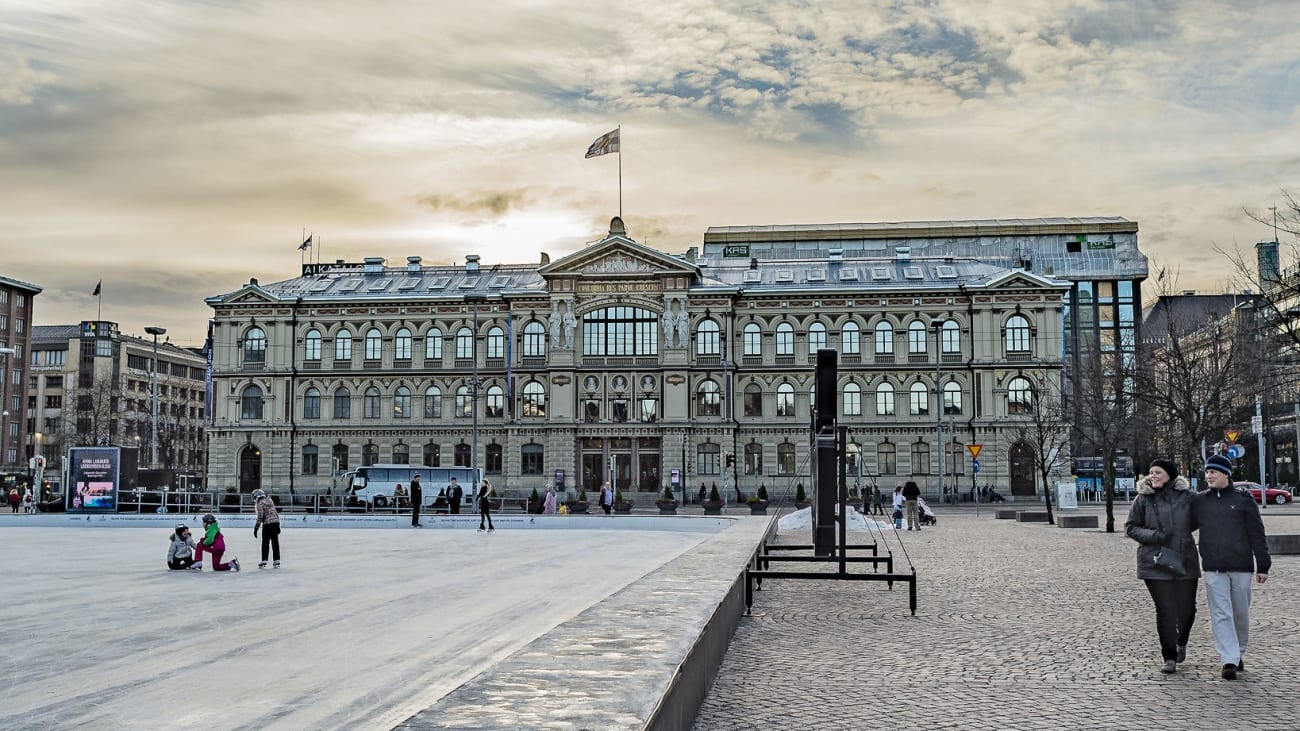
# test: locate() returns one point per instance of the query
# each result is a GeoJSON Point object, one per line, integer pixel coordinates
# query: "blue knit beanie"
{"type": "Point", "coordinates": [1220, 463]}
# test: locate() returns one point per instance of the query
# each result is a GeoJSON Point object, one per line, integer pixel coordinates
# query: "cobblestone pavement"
{"type": "Point", "coordinates": [1019, 626]}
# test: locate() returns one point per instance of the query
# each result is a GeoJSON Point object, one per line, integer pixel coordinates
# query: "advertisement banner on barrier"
{"type": "Point", "coordinates": [93, 474]}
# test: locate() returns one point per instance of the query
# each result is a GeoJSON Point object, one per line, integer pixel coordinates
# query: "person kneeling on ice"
{"type": "Point", "coordinates": [180, 555]}
{"type": "Point", "coordinates": [214, 543]}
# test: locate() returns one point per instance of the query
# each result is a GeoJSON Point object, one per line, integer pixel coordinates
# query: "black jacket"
{"type": "Point", "coordinates": [1163, 518]}
{"type": "Point", "coordinates": [911, 491]}
{"type": "Point", "coordinates": [1232, 533]}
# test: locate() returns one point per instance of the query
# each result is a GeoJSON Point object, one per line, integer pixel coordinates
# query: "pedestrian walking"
{"type": "Point", "coordinates": [484, 506]}
{"type": "Point", "coordinates": [911, 491]}
{"type": "Point", "coordinates": [1160, 520]}
{"type": "Point", "coordinates": [417, 500]}
{"type": "Point", "coordinates": [268, 520]}
{"type": "Point", "coordinates": [454, 496]}
{"type": "Point", "coordinates": [548, 507]}
{"type": "Point", "coordinates": [14, 500]}
{"type": "Point", "coordinates": [1233, 547]}
{"type": "Point", "coordinates": [897, 515]}
{"type": "Point", "coordinates": [606, 498]}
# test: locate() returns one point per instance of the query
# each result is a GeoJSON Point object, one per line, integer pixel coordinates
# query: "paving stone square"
{"type": "Point", "coordinates": [1019, 626]}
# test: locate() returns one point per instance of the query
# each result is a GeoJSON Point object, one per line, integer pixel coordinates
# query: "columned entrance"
{"type": "Point", "coordinates": [1021, 473]}
{"type": "Point", "coordinates": [250, 468]}
{"type": "Point", "coordinates": [630, 463]}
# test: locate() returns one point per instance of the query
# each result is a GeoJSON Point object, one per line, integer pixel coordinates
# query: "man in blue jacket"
{"type": "Point", "coordinates": [1232, 548]}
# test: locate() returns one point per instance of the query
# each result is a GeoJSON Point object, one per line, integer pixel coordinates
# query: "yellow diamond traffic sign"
{"type": "Point", "coordinates": [974, 450]}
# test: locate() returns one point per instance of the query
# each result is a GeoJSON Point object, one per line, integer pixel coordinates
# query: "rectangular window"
{"type": "Point", "coordinates": [531, 459]}
{"type": "Point", "coordinates": [309, 460]}
{"type": "Point", "coordinates": [619, 409]}
{"type": "Point", "coordinates": [649, 410]}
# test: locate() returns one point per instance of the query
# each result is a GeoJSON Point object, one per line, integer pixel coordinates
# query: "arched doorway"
{"type": "Point", "coordinates": [1021, 474]}
{"type": "Point", "coordinates": [250, 469]}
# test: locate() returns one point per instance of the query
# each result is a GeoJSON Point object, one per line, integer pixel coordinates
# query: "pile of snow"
{"type": "Point", "coordinates": [802, 520]}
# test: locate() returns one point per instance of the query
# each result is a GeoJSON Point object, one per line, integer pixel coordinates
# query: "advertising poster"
{"type": "Point", "coordinates": [92, 479]}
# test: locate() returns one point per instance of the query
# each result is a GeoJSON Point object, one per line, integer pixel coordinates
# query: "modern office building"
{"type": "Point", "coordinates": [17, 305]}
{"type": "Point", "coordinates": [626, 363]}
{"type": "Point", "coordinates": [92, 386]}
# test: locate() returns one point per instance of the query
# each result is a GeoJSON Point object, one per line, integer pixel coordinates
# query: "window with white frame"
{"type": "Point", "coordinates": [919, 398]}
{"type": "Point", "coordinates": [784, 339]}
{"type": "Point", "coordinates": [494, 405]}
{"type": "Point", "coordinates": [850, 343]}
{"type": "Point", "coordinates": [706, 338]}
{"type": "Point", "coordinates": [816, 338]}
{"type": "Point", "coordinates": [311, 403]}
{"type": "Point", "coordinates": [708, 400]}
{"type": "Point", "coordinates": [433, 345]}
{"type": "Point", "coordinates": [534, 399]}
{"type": "Point", "coordinates": [496, 343]}
{"type": "Point", "coordinates": [342, 404]}
{"type": "Point", "coordinates": [534, 340]}
{"type": "Point", "coordinates": [884, 400]}
{"type": "Point", "coordinates": [917, 339]}
{"type": "Point", "coordinates": [343, 345]}
{"type": "Point", "coordinates": [311, 345]}
{"type": "Point", "coordinates": [402, 403]}
{"type": "Point", "coordinates": [1020, 396]}
{"type": "Point", "coordinates": [950, 337]}
{"type": "Point", "coordinates": [1017, 337]}
{"type": "Point", "coordinates": [464, 344]}
{"type": "Point", "coordinates": [374, 344]}
{"type": "Point", "coordinates": [753, 340]}
{"type": "Point", "coordinates": [370, 403]}
{"type": "Point", "coordinates": [432, 403]}
{"type": "Point", "coordinates": [785, 400]}
{"type": "Point", "coordinates": [952, 398]}
{"type": "Point", "coordinates": [852, 399]}
{"type": "Point", "coordinates": [402, 344]}
{"type": "Point", "coordinates": [255, 345]}
{"type": "Point", "coordinates": [884, 338]}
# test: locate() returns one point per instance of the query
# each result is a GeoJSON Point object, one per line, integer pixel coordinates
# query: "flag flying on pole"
{"type": "Point", "coordinates": [303, 246]}
{"type": "Point", "coordinates": [604, 144]}
{"type": "Point", "coordinates": [97, 286]}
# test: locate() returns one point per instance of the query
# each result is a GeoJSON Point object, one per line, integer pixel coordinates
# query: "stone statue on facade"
{"type": "Point", "coordinates": [555, 324]}
{"type": "Point", "coordinates": [670, 323]}
{"type": "Point", "coordinates": [570, 322]}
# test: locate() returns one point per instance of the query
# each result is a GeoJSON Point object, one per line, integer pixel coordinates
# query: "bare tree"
{"type": "Point", "coordinates": [1048, 432]}
{"type": "Point", "coordinates": [1105, 414]}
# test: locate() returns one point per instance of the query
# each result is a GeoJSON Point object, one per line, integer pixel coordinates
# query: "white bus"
{"type": "Point", "coordinates": [373, 485]}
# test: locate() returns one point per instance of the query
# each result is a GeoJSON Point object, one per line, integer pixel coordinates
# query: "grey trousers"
{"type": "Point", "coordinates": [909, 510]}
{"type": "Point", "coordinates": [1228, 594]}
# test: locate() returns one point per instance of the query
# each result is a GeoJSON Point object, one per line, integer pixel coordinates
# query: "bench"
{"type": "Point", "coordinates": [1031, 516]}
{"type": "Point", "coordinates": [1283, 545]}
{"type": "Point", "coordinates": [1006, 514]}
{"type": "Point", "coordinates": [1077, 521]}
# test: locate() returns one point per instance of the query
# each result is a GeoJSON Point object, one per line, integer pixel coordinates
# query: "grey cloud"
{"type": "Point", "coordinates": [495, 202]}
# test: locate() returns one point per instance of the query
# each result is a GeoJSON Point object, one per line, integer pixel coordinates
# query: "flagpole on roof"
{"type": "Point", "coordinates": [619, 129]}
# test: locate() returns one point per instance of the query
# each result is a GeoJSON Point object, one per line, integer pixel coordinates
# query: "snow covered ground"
{"type": "Point", "coordinates": [801, 520]}
{"type": "Point", "coordinates": [360, 629]}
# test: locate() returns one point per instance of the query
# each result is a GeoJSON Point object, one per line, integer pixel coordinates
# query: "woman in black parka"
{"type": "Point", "coordinates": [1161, 517]}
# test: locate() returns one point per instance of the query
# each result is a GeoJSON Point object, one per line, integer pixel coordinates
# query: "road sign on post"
{"type": "Point", "coordinates": [1230, 435]}
{"type": "Point", "coordinates": [974, 450]}
{"type": "Point", "coordinates": [975, 465]}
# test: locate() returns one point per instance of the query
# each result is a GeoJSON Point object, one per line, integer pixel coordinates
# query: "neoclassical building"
{"type": "Point", "coordinates": [627, 363]}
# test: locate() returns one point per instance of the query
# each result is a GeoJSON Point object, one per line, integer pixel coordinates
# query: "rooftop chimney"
{"type": "Point", "coordinates": [836, 256]}
{"type": "Point", "coordinates": [904, 253]}
{"type": "Point", "coordinates": [546, 258]}
{"type": "Point", "coordinates": [373, 265]}
{"type": "Point", "coordinates": [471, 262]}
{"type": "Point", "coordinates": [413, 264]}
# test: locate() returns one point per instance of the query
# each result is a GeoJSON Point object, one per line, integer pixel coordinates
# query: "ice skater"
{"type": "Point", "coordinates": [180, 554]}
{"type": "Point", "coordinates": [484, 507]}
{"type": "Point", "coordinates": [268, 519]}
{"type": "Point", "coordinates": [214, 543]}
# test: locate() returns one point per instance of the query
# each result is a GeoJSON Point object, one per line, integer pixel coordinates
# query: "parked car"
{"type": "Point", "coordinates": [1275, 496]}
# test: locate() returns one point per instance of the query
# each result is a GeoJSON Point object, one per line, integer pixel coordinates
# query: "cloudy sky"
{"type": "Point", "coordinates": [175, 149]}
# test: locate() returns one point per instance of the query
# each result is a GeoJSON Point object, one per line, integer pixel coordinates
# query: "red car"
{"type": "Point", "coordinates": [1275, 496]}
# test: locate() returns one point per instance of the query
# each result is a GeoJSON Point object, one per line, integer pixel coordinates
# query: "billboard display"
{"type": "Point", "coordinates": [93, 474]}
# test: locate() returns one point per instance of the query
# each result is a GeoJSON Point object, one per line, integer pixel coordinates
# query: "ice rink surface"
{"type": "Point", "coordinates": [359, 629]}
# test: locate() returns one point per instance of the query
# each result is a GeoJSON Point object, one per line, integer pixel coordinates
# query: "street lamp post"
{"type": "Point", "coordinates": [681, 485]}
{"type": "Point", "coordinates": [938, 400]}
{"type": "Point", "coordinates": [153, 387]}
{"type": "Point", "coordinates": [473, 392]}
{"type": "Point", "coordinates": [5, 352]}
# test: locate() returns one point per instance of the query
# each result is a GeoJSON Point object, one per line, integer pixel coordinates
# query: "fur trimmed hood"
{"type": "Point", "coordinates": [1144, 485]}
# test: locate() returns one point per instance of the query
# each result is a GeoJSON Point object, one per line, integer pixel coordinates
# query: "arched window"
{"type": "Point", "coordinates": [401, 454]}
{"type": "Point", "coordinates": [464, 344]}
{"type": "Point", "coordinates": [251, 403]}
{"type": "Point", "coordinates": [1020, 396]}
{"type": "Point", "coordinates": [753, 459]}
{"type": "Point", "coordinates": [620, 331]}
{"type": "Point", "coordinates": [951, 337]}
{"type": "Point", "coordinates": [885, 399]}
{"type": "Point", "coordinates": [784, 339]}
{"type": "Point", "coordinates": [433, 345]}
{"type": "Point", "coordinates": [785, 464]}
{"type": "Point", "coordinates": [402, 344]}
{"type": "Point", "coordinates": [342, 404]}
{"type": "Point", "coordinates": [785, 400]}
{"type": "Point", "coordinates": [753, 339]}
{"type": "Point", "coordinates": [920, 458]}
{"type": "Point", "coordinates": [534, 340]}
{"type": "Point", "coordinates": [1017, 337]}
{"type": "Point", "coordinates": [917, 339]}
{"type": "Point", "coordinates": [432, 455]}
{"type": "Point", "coordinates": [432, 403]}
{"type": "Point", "coordinates": [919, 399]}
{"type": "Point", "coordinates": [310, 459]}
{"type": "Point", "coordinates": [460, 455]}
{"type": "Point", "coordinates": [850, 343]}
{"type": "Point", "coordinates": [852, 399]}
{"type": "Point", "coordinates": [496, 343]}
{"type": "Point", "coordinates": [887, 458]}
{"type": "Point", "coordinates": [370, 403]}
{"type": "Point", "coordinates": [753, 400]}
{"type": "Point", "coordinates": [255, 345]}
{"type": "Point", "coordinates": [374, 344]}
{"type": "Point", "coordinates": [463, 403]}
{"type": "Point", "coordinates": [532, 459]}
{"type": "Point", "coordinates": [951, 398]}
{"type": "Point", "coordinates": [884, 338]}
{"type": "Point", "coordinates": [402, 403]}
{"type": "Point", "coordinates": [708, 399]}
{"type": "Point", "coordinates": [311, 345]}
{"type": "Point", "coordinates": [369, 455]}
{"type": "Point", "coordinates": [311, 403]}
{"type": "Point", "coordinates": [495, 404]}
{"type": "Point", "coordinates": [492, 458]}
{"type": "Point", "coordinates": [706, 338]}
{"type": "Point", "coordinates": [534, 399]}
{"type": "Point", "coordinates": [343, 345]}
{"type": "Point", "coordinates": [339, 452]}
{"type": "Point", "coordinates": [816, 337]}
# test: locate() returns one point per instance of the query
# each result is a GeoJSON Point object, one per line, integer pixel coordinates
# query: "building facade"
{"type": "Point", "coordinates": [17, 307]}
{"type": "Point", "coordinates": [622, 362]}
{"type": "Point", "coordinates": [93, 386]}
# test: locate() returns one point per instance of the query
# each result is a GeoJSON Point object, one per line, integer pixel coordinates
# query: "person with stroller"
{"type": "Point", "coordinates": [925, 516]}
